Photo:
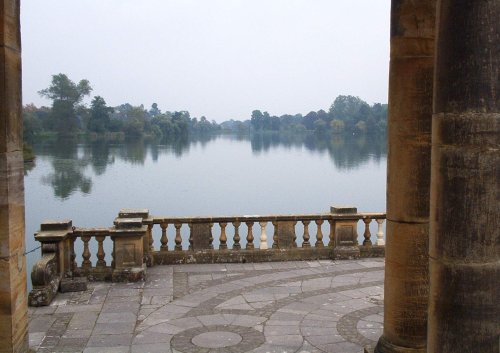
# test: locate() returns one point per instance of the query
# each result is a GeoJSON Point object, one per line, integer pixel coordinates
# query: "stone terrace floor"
{"type": "Point", "coordinates": [315, 306]}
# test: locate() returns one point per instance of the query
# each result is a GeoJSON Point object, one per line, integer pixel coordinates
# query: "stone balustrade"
{"type": "Point", "coordinates": [138, 240]}
{"type": "Point", "coordinates": [256, 238]}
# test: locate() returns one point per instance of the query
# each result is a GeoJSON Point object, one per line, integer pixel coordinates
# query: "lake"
{"type": "Point", "coordinates": [89, 182]}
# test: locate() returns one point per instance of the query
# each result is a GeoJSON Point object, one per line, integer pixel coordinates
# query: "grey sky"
{"type": "Point", "coordinates": [218, 58]}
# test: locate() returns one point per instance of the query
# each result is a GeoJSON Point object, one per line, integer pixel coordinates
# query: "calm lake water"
{"type": "Point", "coordinates": [218, 175]}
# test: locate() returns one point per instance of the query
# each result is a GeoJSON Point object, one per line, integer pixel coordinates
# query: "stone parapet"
{"type": "Point", "coordinates": [128, 250]}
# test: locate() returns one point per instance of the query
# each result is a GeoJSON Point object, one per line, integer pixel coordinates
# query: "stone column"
{"type": "Point", "coordinates": [408, 176]}
{"type": "Point", "coordinates": [13, 291]}
{"type": "Point", "coordinates": [464, 310]}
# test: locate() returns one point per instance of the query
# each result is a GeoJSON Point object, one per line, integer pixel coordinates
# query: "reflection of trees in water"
{"type": "Point", "coordinates": [71, 161]}
{"type": "Point", "coordinates": [68, 168]}
{"type": "Point", "coordinates": [100, 156]}
{"type": "Point", "coordinates": [346, 151]}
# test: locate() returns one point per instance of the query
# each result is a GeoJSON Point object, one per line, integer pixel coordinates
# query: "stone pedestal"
{"type": "Point", "coordinates": [346, 233]}
{"type": "Point", "coordinates": [142, 213]}
{"type": "Point", "coordinates": [54, 263]}
{"type": "Point", "coordinates": [128, 236]}
{"type": "Point", "coordinates": [200, 235]}
{"type": "Point", "coordinates": [286, 235]}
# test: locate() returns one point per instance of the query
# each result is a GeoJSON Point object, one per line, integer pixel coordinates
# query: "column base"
{"type": "Point", "coordinates": [383, 346]}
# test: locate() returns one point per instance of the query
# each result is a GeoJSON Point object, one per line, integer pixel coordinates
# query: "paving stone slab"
{"type": "Point", "coordinates": [316, 306]}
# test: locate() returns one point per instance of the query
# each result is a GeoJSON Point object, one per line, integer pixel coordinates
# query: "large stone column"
{"type": "Point", "coordinates": [13, 293]}
{"type": "Point", "coordinates": [408, 180]}
{"type": "Point", "coordinates": [464, 305]}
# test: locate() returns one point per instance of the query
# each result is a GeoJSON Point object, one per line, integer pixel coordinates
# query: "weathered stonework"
{"type": "Point", "coordinates": [345, 234]}
{"type": "Point", "coordinates": [142, 213]}
{"type": "Point", "coordinates": [13, 290]}
{"type": "Point", "coordinates": [128, 238]}
{"type": "Point", "coordinates": [54, 264]}
{"type": "Point", "coordinates": [464, 310]}
{"type": "Point", "coordinates": [408, 176]}
{"type": "Point", "coordinates": [77, 284]}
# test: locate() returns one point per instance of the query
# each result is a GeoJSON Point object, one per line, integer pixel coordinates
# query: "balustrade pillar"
{"type": "Point", "coordinates": [210, 236]}
{"type": "Point", "coordinates": [380, 232]}
{"type": "Point", "coordinates": [236, 244]}
{"type": "Point", "coordinates": [223, 236]}
{"type": "Point", "coordinates": [263, 236]}
{"type": "Point", "coordinates": [86, 264]}
{"type": "Point", "coordinates": [73, 264]}
{"type": "Point", "coordinates": [331, 235]}
{"type": "Point", "coordinates": [319, 234]}
{"type": "Point", "coordinates": [408, 176]}
{"type": "Point", "coordinates": [275, 235]}
{"type": "Point", "coordinates": [306, 236]}
{"type": "Point", "coordinates": [164, 239]}
{"type": "Point", "coordinates": [13, 290]}
{"type": "Point", "coordinates": [250, 235]}
{"type": "Point", "coordinates": [367, 235]}
{"type": "Point", "coordinates": [464, 310]}
{"type": "Point", "coordinates": [100, 251]}
{"type": "Point", "coordinates": [178, 238]}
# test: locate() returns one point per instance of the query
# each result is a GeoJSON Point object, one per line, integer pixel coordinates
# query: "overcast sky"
{"type": "Point", "coordinates": [218, 58]}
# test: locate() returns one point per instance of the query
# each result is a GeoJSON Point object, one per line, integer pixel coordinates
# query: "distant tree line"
{"type": "Point", "coordinates": [68, 116]}
{"type": "Point", "coordinates": [347, 114]}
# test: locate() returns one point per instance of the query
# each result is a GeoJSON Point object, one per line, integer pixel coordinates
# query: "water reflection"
{"type": "Point", "coordinates": [346, 151]}
{"type": "Point", "coordinates": [74, 163]}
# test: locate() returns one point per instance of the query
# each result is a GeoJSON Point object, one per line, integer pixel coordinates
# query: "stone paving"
{"type": "Point", "coordinates": [306, 307]}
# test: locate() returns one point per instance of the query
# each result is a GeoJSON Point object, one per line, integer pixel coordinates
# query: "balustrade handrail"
{"type": "Point", "coordinates": [80, 231]}
{"type": "Point", "coordinates": [268, 218]}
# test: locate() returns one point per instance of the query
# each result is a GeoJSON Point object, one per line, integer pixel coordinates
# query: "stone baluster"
{"type": "Point", "coordinates": [164, 238]}
{"type": "Point", "coordinates": [149, 236]}
{"type": "Point", "coordinates": [331, 235]}
{"type": "Point", "coordinates": [100, 251]}
{"type": "Point", "coordinates": [250, 235]}
{"type": "Point", "coordinates": [178, 239]}
{"type": "Point", "coordinates": [275, 234]}
{"type": "Point", "coordinates": [73, 264]}
{"type": "Point", "coordinates": [86, 264]}
{"type": "Point", "coordinates": [210, 236]}
{"type": "Point", "coordinates": [319, 233]}
{"type": "Point", "coordinates": [380, 232]}
{"type": "Point", "coordinates": [190, 240]}
{"type": "Point", "coordinates": [223, 236]}
{"type": "Point", "coordinates": [294, 240]}
{"type": "Point", "coordinates": [263, 236]}
{"type": "Point", "coordinates": [113, 254]}
{"type": "Point", "coordinates": [306, 236]}
{"type": "Point", "coordinates": [367, 234]}
{"type": "Point", "coordinates": [237, 239]}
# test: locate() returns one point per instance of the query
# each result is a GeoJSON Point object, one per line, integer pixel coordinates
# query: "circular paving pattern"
{"type": "Point", "coordinates": [219, 339]}
{"type": "Point", "coordinates": [227, 338]}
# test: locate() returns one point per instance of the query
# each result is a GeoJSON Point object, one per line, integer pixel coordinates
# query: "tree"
{"type": "Point", "coordinates": [257, 120]}
{"type": "Point", "coordinates": [65, 96]}
{"type": "Point", "coordinates": [99, 115]}
{"type": "Point", "coordinates": [350, 110]}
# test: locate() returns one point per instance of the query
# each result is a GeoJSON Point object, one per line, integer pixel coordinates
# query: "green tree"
{"type": "Point", "coordinates": [99, 115]}
{"type": "Point", "coordinates": [257, 120]}
{"type": "Point", "coordinates": [65, 96]}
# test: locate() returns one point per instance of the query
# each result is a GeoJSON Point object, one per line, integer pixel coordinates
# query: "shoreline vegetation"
{"type": "Point", "coordinates": [68, 117]}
